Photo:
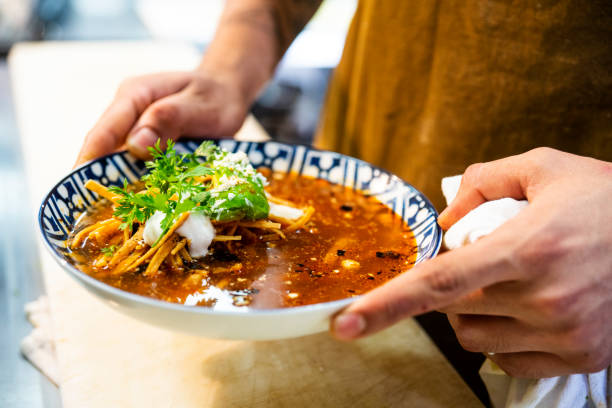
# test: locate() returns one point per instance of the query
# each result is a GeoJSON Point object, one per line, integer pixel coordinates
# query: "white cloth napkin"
{"type": "Point", "coordinates": [38, 346]}
{"type": "Point", "coordinates": [571, 391]}
{"type": "Point", "coordinates": [479, 222]}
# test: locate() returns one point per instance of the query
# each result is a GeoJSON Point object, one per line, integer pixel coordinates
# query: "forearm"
{"type": "Point", "coordinates": [251, 38]}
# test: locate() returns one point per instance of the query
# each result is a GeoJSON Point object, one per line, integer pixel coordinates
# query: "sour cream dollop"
{"type": "Point", "coordinates": [197, 228]}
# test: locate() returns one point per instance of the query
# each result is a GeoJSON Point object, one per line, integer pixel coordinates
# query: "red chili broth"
{"type": "Point", "coordinates": [306, 268]}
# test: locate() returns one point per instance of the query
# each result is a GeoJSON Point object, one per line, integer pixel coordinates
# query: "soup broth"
{"type": "Point", "coordinates": [351, 244]}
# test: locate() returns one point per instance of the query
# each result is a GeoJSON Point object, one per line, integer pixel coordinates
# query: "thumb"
{"type": "Point", "coordinates": [161, 120]}
{"type": "Point", "coordinates": [182, 114]}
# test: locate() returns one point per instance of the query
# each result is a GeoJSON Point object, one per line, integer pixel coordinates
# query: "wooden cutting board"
{"type": "Point", "coordinates": [109, 360]}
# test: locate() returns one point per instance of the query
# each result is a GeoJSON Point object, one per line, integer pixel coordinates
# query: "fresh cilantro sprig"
{"type": "Point", "coordinates": [172, 173]}
{"type": "Point", "coordinates": [173, 186]}
{"type": "Point", "coordinates": [136, 207]}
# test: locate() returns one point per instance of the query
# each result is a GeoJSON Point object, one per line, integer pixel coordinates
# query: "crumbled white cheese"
{"type": "Point", "coordinates": [262, 178]}
{"type": "Point", "coordinates": [197, 228]}
{"type": "Point", "coordinates": [286, 212]}
{"type": "Point", "coordinates": [238, 161]}
{"type": "Point", "coordinates": [225, 183]}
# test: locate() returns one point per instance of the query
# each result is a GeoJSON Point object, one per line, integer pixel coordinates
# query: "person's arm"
{"type": "Point", "coordinates": [212, 100]}
{"type": "Point", "coordinates": [537, 291]}
{"type": "Point", "coordinates": [252, 37]}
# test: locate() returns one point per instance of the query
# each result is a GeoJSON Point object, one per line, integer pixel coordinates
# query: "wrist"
{"type": "Point", "coordinates": [245, 47]}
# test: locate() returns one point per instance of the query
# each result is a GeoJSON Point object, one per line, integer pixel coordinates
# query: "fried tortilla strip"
{"type": "Point", "coordinates": [101, 190]}
{"type": "Point", "coordinates": [126, 248]}
{"type": "Point", "coordinates": [185, 254]}
{"type": "Point", "coordinates": [162, 240]}
{"type": "Point", "coordinates": [280, 219]}
{"type": "Point", "coordinates": [103, 232]}
{"type": "Point", "coordinates": [100, 261]}
{"type": "Point", "coordinates": [160, 255]}
{"type": "Point", "coordinates": [177, 260]}
{"type": "Point", "coordinates": [308, 212]}
{"type": "Point", "coordinates": [78, 238]}
{"type": "Point", "coordinates": [122, 267]}
{"type": "Point", "coordinates": [270, 237]}
{"type": "Point", "coordinates": [249, 235]}
{"type": "Point", "coordinates": [279, 233]}
{"type": "Point", "coordinates": [277, 200]}
{"type": "Point", "coordinates": [262, 224]}
{"type": "Point", "coordinates": [179, 246]}
{"type": "Point", "coordinates": [115, 240]}
{"type": "Point", "coordinates": [227, 238]}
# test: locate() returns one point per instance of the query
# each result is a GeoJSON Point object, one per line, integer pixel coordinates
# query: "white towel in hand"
{"type": "Point", "coordinates": [572, 391]}
{"type": "Point", "coordinates": [479, 222]}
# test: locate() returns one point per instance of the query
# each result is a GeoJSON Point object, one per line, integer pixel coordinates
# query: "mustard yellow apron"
{"type": "Point", "coordinates": [427, 87]}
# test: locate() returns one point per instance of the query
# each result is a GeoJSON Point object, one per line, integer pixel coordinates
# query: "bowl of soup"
{"type": "Point", "coordinates": [240, 240]}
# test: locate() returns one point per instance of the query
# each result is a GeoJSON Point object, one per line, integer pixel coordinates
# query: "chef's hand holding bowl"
{"type": "Point", "coordinates": [537, 292]}
{"type": "Point", "coordinates": [166, 106]}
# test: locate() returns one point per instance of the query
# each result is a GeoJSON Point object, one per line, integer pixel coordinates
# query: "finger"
{"type": "Point", "coordinates": [499, 334]}
{"type": "Point", "coordinates": [532, 364]}
{"type": "Point", "coordinates": [482, 182]}
{"type": "Point", "coordinates": [182, 114]}
{"type": "Point", "coordinates": [106, 135]}
{"type": "Point", "coordinates": [428, 286]}
{"type": "Point", "coordinates": [132, 99]}
{"type": "Point", "coordinates": [502, 299]}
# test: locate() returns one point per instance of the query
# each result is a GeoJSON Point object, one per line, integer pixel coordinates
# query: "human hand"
{"type": "Point", "coordinates": [167, 106]}
{"type": "Point", "coordinates": [537, 291]}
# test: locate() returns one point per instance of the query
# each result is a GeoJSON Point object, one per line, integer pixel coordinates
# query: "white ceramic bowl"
{"type": "Point", "coordinates": [68, 199]}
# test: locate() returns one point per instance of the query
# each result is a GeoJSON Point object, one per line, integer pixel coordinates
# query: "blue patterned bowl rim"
{"type": "Point", "coordinates": [136, 167]}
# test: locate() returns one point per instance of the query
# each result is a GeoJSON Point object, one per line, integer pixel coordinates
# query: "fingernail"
{"type": "Point", "coordinates": [347, 326]}
{"type": "Point", "coordinates": [141, 139]}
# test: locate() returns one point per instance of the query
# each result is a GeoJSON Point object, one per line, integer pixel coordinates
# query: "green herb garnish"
{"type": "Point", "coordinates": [232, 190]}
{"type": "Point", "coordinates": [109, 250]}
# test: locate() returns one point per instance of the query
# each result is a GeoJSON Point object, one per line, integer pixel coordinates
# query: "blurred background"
{"type": "Point", "coordinates": [288, 109]}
